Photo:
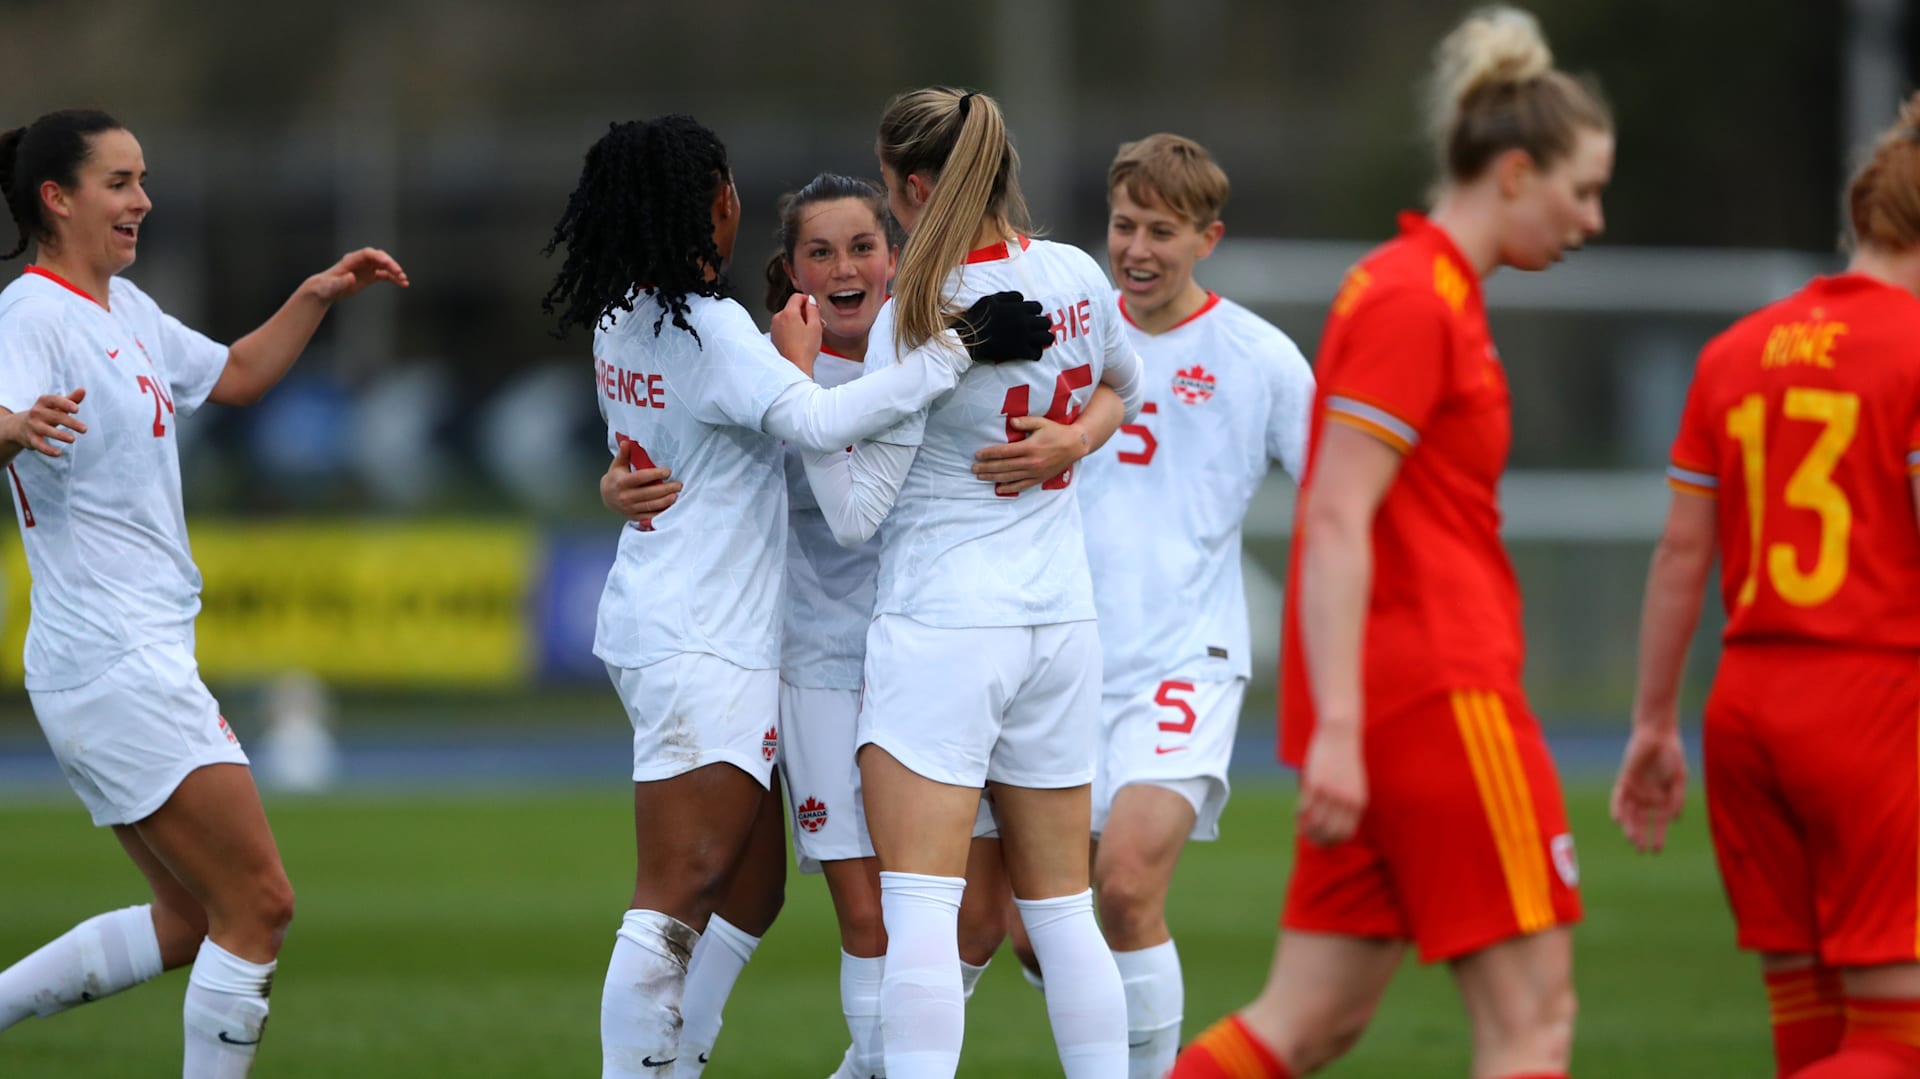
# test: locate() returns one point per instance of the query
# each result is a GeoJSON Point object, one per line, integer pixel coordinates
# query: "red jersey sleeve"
{"type": "Point", "coordinates": [1390, 372]}
{"type": "Point", "coordinates": [1913, 444]}
{"type": "Point", "coordinates": [1693, 466]}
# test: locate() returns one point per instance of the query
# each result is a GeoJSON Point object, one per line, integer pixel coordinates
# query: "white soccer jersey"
{"type": "Point", "coordinates": [707, 576]}
{"type": "Point", "coordinates": [103, 525]}
{"type": "Point", "coordinates": [1164, 498]}
{"type": "Point", "coordinates": [954, 554]}
{"type": "Point", "coordinates": [829, 587]}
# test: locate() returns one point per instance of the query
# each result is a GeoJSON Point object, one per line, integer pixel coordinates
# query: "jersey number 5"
{"type": "Point", "coordinates": [1062, 410]}
{"type": "Point", "coordinates": [160, 397]}
{"type": "Point", "coordinates": [1811, 487]}
{"type": "Point", "coordinates": [1149, 445]}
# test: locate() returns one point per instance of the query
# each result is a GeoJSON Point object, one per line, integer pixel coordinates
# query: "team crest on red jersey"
{"type": "Point", "coordinates": [812, 815]}
{"type": "Point", "coordinates": [770, 743]}
{"type": "Point", "coordinates": [1194, 385]}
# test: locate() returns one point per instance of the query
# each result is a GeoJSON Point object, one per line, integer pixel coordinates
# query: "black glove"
{"type": "Point", "coordinates": [1004, 327]}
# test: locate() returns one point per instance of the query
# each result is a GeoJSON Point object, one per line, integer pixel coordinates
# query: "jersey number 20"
{"type": "Point", "coordinates": [1811, 487]}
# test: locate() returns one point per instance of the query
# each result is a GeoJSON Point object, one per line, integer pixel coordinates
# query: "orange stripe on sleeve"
{"type": "Point", "coordinates": [1371, 428]}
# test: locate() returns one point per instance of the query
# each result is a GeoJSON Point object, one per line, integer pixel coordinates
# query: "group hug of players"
{"type": "Point", "coordinates": [954, 552]}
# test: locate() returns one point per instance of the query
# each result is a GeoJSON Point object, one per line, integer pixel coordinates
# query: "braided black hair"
{"type": "Point", "coordinates": [51, 148]}
{"type": "Point", "coordinates": [640, 217]}
{"type": "Point", "coordinates": [826, 187]}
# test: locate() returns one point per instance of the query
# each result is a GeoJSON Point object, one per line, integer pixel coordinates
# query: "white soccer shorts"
{"type": "Point", "coordinates": [817, 729]}
{"type": "Point", "coordinates": [1176, 734]}
{"type": "Point", "coordinates": [1013, 704]}
{"type": "Point", "coordinates": [693, 709]}
{"type": "Point", "coordinates": [126, 739]}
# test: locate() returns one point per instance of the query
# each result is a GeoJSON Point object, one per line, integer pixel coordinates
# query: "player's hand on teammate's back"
{"type": "Point", "coordinates": [355, 271]}
{"type": "Point", "coordinates": [638, 494]}
{"type": "Point", "coordinates": [797, 330]}
{"type": "Point", "coordinates": [1048, 450]}
{"type": "Point", "coordinates": [1651, 787]}
{"type": "Point", "coordinates": [40, 426]}
{"type": "Point", "coordinates": [1333, 787]}
{"type": "Point", "coordinates": [1004, 327]}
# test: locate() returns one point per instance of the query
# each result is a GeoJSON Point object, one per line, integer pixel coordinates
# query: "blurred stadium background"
{"type": "Point", "coordinates": [404, 539]}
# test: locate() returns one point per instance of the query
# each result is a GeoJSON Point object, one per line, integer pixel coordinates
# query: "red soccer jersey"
{"type": "Point", "coordinates": [1406, 357]}
{"type": "Point", "coordinates": [1804, 420]}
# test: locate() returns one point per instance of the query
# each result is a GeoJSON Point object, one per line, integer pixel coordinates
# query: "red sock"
{"type": "Point", "coordinates": [1882, 1042]}
{"type": "Point", "coordinates": [1809, 1016]}
{"type": "Point", "coordinates": [1228, 1050]}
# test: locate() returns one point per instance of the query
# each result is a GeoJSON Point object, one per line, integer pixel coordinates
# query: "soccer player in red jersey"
{"type": "Point", "coordinates": [1430, 811]}
{"type": "Point", "coordinates": [1796, 464]}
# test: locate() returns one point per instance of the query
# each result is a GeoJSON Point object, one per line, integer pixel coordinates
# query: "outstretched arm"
{"type": "Point", "coordinates": [39, 427]}
{"type": "Point", "coordinates": [260, 359]}
{"type": "Point", "coordinates": [856, 488]}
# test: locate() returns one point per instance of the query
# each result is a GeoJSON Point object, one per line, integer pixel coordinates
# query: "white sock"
{"type": "Point", "coordinates": [970, 977]}
{"type": "Point", "coordinates": [1085, 1003]}
{"type": "Point", "coordinates": [1155, 1001]}
{"type": "Point", "coordinates": [860, 980]}
{"type": "Point", "coordinates": [99, 957]}
{"type": "Point", "coordinates": [923, 1019]}
{"type": "Point", "coordinates": [640, 1004]}
{"type": "Point", "coordinates": [718, 959]}
{"type": "Point", "coordinates": [225, 1013]}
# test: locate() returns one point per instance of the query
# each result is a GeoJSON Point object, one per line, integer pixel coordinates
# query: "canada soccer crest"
{"type": "Point", "coordinates": [1194, 385]}
{"type": "Point", "coordinates": [770, 743]}
{"type": "Point", "coordinates": [812, 815]}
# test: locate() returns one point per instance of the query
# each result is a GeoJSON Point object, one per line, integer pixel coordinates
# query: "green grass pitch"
{"type": "Point", "coordinates": [448, 935]}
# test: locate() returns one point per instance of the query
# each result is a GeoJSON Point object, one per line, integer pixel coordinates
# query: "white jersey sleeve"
{"type": "Point", "coordinates": [738, 375]}
{"type": "Point", "coordinates": [191, 361]}
{"type": "Point", "coordinates": [32, 364]}
{"type": "Point", "coordinates": [1290, 407]}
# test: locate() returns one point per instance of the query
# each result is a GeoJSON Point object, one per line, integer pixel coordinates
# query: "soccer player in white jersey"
{"type": "Point", "coordinates": [982, 662]}
{"type": "Point", "coordinates": [93, 378]}
{"type": "Point", "coordinates": [688, 623]}
{"type": "Point", "coordinates": [1227, 393]}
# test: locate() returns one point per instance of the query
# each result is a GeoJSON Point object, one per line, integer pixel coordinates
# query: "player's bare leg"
{"type": "Point", "coordinates": [854, 884]}
{"type": "Point", "coordinates": [109, 952]}
{"type": "Point", "coordinates": [733, 933]}
{"type": "Point", "coordinates": [983, 911]}
{"type": "Point", "coordinates": [1044, 836]}
{"type": "Point", "coordinates": [922, 831]}
{"type": "Point", "coordinates": [1320, 995]}
{"type": "Point", "coordinates": [1520, 1004]}
{"type": "Point", "coordinates": [690, 833]}
{"type": "Point", "coordinates": [1133, 865]}
{"type": "Point", "coordinates": [1882, 1014]}
{"type": "Point", "coordinates": [212, 837]}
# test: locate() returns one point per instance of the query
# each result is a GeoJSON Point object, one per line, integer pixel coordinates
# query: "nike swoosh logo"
{"type": "Point", "coordinates": [113, 354]}
{"type": "Point", "coordinates": [702, 1058]}
{"type": "Point", "coordinates": [1164, 750]}
{"type": "Point", "coordinates": [1140, 1045]}
{"type": "Point", "coordinates": [237, 1041]}
{"type": "Point", "coordinates": [649, 1062]}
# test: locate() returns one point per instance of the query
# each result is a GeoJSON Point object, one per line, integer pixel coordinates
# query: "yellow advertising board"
{"type": "Point", "coordinates": [359, 602]}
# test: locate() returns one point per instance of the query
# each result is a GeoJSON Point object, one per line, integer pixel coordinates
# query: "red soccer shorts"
{"type": "Point", "coordinates": [1813, 792]}
{"type": "Point", "coordinates": [1464, 841]}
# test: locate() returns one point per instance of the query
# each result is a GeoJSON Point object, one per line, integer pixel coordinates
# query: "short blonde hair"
{"type": "Point", "coordinates": [1176, 171]}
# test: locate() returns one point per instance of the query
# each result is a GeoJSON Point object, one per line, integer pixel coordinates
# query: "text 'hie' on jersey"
{"type": "Point", "coordinates": [1804, 420]}
{"type": "Point", "coordinates": [1163, 500]}
{"type": "Point", "coordinates": [953, 553]}
{"type": "Point", "coordinates": [104, 527]}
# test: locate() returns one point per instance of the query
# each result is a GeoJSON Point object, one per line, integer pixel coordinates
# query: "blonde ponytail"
{"type": "Point", "coordinates": [957, 141]}
{"type": "Point", "coordinates": [1494, 88]}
